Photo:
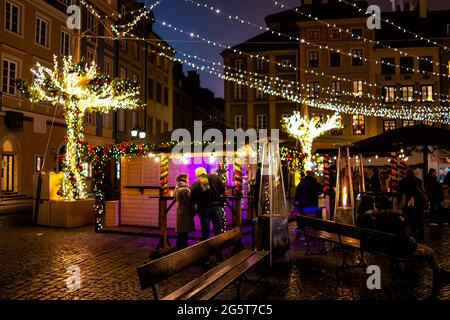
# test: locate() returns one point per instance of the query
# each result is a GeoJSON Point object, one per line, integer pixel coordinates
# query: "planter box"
{"type": "Point", "coordinates": [69, 214]}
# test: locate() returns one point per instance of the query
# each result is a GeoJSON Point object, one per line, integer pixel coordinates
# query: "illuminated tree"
{"type": "Point", "coordinates": [306, 130]}
{"type": "Point", "coordinates": [79, 88]}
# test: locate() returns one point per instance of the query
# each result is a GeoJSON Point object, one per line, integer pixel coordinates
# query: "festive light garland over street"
{"type": "Point", "coordinates": [79, 88]}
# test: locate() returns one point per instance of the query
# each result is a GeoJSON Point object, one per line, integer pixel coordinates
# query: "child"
{"type": "Point", "coordinates": [185, 216]}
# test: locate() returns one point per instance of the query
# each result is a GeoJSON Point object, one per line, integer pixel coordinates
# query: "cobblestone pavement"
{"type": "Point", "coordinates": [34, 264]}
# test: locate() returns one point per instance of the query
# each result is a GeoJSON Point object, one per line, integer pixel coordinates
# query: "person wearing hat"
{"type": "Point", "coordinates": [185, 212]}
{"type": "Point", "coordinates": [207, 195]}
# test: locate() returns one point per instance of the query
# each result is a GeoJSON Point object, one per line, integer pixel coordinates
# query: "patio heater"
{"type": "Point", "coordinates": [344, 205]}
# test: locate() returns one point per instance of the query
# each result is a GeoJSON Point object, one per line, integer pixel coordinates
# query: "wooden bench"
{"type": "Point", "coordinates": [211, 283]}
{"type": "Point", "coordinates": [349, 236]}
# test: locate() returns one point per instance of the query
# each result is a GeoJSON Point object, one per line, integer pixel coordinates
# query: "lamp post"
{"type": "Point", "coordinates": [138, 133]}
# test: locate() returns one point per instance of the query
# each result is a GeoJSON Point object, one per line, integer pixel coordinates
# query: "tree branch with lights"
{"type": "Point", "coordinates": [306, 130]}
{"type": "Point", "coordinates": [79, 88]}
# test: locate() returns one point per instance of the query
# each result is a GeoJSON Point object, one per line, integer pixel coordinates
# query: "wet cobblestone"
{"type": "Point", "coordinates": [34, 264]}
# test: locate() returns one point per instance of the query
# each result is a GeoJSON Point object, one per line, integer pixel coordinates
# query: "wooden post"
{"type": "Point", "coordinates": [338, 182]}
{"type": "Point", "coordinates": [363, 180]}
{"type": "Point", "coordinates": [38, 199]}
{"type": "Point", "coordinates": [350, 183]}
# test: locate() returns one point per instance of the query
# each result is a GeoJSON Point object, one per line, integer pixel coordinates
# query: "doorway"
{"type": "Point", "coordinates": [7, 178]}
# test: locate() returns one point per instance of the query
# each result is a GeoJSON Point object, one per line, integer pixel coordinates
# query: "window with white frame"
{"type": "Point", "coordinates": [357, 57]}
{"type": "Point", "coordinates": [65, 43]}
{"type": "Point", "coordinates": [359, 125]}
{"type": "Point", "coordinates": [261, 65]}
{"type": "Point", "coordinates": [239, 121]}
{"type": "Point", "coordinates": [42, 31]}
{"type": "Point", "coordinates": [389, 94]}
{"type": "Point", "coordinates": [239, 64]}
{"type": "Point", "coordinates": [407, 93]}
{"type": "Point", "coordinates": [107, 120]}
{"type": "Point", "coordinates": [10, 70]}
{"type": "Point", "coordinates": [426, 91]}
{"type": "Point", "coordinates": [261, 121]}
{"type": "Point", "coordinates": [313, 59]}
{"type": "Point", "coordinates": [357, 88]}
{"type": "Point", "coordinates": [313, 90]}
{"type": "Point", "coordinates": [13, 17]}
{"type": "Point", "coordinates": [121, 120]}
{"type": "Point", "coordinates": [336, 88]}
{"type": "Point", "coordinates": [90, 118]}
{"type": "Point", "coordinates": [108, 67]}
{"type": "Point", "coordinates": [238, 90]}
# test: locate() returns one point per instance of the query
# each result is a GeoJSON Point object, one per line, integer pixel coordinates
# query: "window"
{"type": "Point", "coordinates": [90, 118]}
{"type": "Point", "coordinates": [239, 122]}
{"type": "Point", "coordinates": [261, 65]}
{"type": "Point", "coordinates": [135, 50]}
{"type": "Point", "coordinates": [158, 92]}
{"type": "Point", "coordinates": [165, 126]}
{"type": "Point", "coordinates": [90, 21]}
{"type": "Point", "coordinates": [336, 88]}
{"type": "Point", "coordinates": [123, 73]}
{"type": "Point", "coordinates": [286, 63]}
{"type": "Point", "coordinates": [313, 35]}
{"type": "Point", "coordinates": [87, 169]}
{"type": "Point", "coordinates": [357, 88]}
{"type": "Point", "coordinates": [359, 125]}
{"type": "Point", "coordinates": [38, 160]}
{"type": "Point", "coordinates": [357, 57]}
{"type": "Point", "coordinates": [13, 17]}
{"type": "Point", "coordinates": [335, 59]}
{"type": "Point", "coordinates": [166, 96]}
{"type": "Point", "coordinates": [406, 65]}
{"type": "Point", "coordinates": [426, 91]}
{"type": "Point", "coordinates": [426, 64]}
{"type": "Point", "coordinates": [389, 125]}
{"type": "Point", "coordinates": [261, 121]}
{"type": "Point", "coordinates": [108, 67]}
{"type": "Point", "coordinates": [357, 32]}
{"type": "Point", "coordinates": [239, 64]}
{"type": "Point", "coordinates": [238, 91]}
{"type": "Point", "coordinates": [389, 94]}
{"type": "Point", "coordinates": [9, 75]}
{"type": "Point", "coordinates": [313, 90]}
{"type": "Point", "coordinates": [41, 31]}
{"type": "Point", "coordinates": [158, 126]}
{"type": "Point", "coordinates": [123, 10]}
{"type": "Point", "coordinates": [150, 89]}
{"type": "Point", "coordinates": [107, 120]}
{"type": "Point", "coordinates": [334, 34]}
{"type": "Point", "coordinates": [313, 59]}
{"type": "Point", "coordinates": [65, 43]}
{"type": "Point", "coordinates": [121, 120]}
{"type": "Point", "coordinates": [259, 94]}
{"type": "Point", "coordinates": [135, 78]}
{"type": "Point", "coordinates": [407, 93]}
{"type": "Point", "coordinates": [408, 123]}
{"type": "Point", "coordinates": [387, 66]}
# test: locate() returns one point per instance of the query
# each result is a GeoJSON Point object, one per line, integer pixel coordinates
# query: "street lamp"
{"type": "Point", "coordinates": [142, 134]}
{"type": "Point", "coordinates": [134, 132]}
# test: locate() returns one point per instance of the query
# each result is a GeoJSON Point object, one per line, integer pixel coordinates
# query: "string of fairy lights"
{"type": "Point", "coordinates": [309, 43]}
{"type": "Point", "coordinates": [416, 36]}
{"type": "Point", "coordinates": [421, 114]}
{"type": "Point", "coordinates": [355, 36]}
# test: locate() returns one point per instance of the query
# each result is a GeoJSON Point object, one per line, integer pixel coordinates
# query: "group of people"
{"type": "Point", "coordinates": [205, 198]}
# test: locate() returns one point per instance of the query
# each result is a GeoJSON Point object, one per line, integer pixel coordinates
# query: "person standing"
{"type": "Point", "coordinates": [447, 182]}
{"type": "Point", "coordinates": [414, 203]}
{"type": "Point", "coordinates": [307, 193]}
{"type": "Point", "coordinates": [207, 195]}
{"type": "Point", "coordinates": [185, 214]}
{"type": "Point", "coordinates": [256, 188]}
{"type": "Point", "coordinates": [434, 191]}
{"type": "Point", "coordinates": [375, 181]}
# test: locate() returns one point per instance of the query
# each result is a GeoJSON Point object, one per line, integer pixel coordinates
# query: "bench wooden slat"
{"type": "Point", "coordinates": [223, 282]}
{"type": "Point", "coordinates": [160, 269]}
{"type": "Point", "coordinates": [198, 284]}
{"type": "Point", "coordinates": [332, 237]}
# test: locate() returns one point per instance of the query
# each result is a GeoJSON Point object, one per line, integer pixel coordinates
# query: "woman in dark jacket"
{"type": "Point", "coordinates": [185, 213]}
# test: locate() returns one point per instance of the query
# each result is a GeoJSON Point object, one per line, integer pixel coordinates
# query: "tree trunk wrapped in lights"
{"type": "Point", "coordinates": [306, 130]}
{"type": "Point", "coordinates": [79, 88]}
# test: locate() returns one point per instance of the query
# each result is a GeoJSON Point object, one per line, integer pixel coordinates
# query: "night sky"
{"type": "Point", "coordinates": [219, 28]}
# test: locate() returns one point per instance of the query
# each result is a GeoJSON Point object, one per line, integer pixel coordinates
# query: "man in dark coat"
{"type": "Point", "coordinates": [307, 193]}
{"type": "Point", "coordinates": [185, 216]}
{"type": "Point", "coordinates": [375, 181]}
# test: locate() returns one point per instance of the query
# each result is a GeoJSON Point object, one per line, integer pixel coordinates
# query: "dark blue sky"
{"type": "Point", "coordinates": [219, 28]}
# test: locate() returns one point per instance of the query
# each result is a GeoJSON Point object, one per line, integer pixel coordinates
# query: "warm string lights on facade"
{"type": "Point", "coordinates": [321, 47]}
{"type": "Point", "coordinates": [416, 36]}
{"type": "Point", "coordinates": [123, 29]}
{"type": "Point", "coordinates": [355, 36]}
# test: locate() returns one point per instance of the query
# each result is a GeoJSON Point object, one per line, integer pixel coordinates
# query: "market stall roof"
{"type": "Point", "coordinates": [411, 136]}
